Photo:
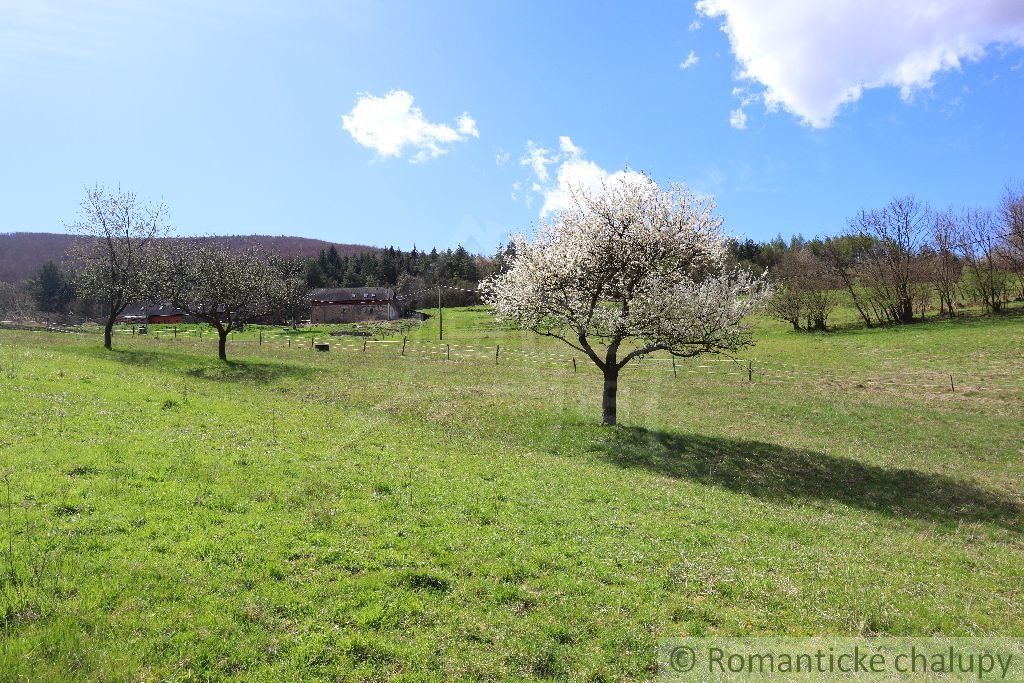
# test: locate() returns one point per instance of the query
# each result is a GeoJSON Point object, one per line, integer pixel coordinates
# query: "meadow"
{"type": "Point", "coordinates": [363, 514]}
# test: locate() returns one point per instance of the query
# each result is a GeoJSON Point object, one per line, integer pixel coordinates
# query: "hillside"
{"type": "Point", "coordinates": [22, 253]}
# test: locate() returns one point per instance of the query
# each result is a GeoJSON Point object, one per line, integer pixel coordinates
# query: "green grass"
{"type": "Point", "coordinates": [295, 515]}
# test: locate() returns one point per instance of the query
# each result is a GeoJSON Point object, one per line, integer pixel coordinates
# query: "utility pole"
{"type": "Point", "coordinates": [440, 316]}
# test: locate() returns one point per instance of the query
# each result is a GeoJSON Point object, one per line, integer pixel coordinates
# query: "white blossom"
{"type": "Point", "coordinates": [628, 270]}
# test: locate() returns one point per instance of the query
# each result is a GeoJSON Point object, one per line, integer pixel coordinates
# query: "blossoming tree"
{"type": "Point", "coordinates": [630, 269]}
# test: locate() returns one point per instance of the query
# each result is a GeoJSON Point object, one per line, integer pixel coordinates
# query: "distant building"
{"type": "Point", "coordinates": [353, 304]}
{"type": "Point", "coordinates": [151, 313]}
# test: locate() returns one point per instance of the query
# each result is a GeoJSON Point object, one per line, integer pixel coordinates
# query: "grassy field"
{"type": "Point", "coordinates": [296, 515]}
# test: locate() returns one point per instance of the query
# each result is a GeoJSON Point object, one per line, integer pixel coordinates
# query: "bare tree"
{"type": "Point", "coordinates": [1011, 210]}
{"type": "Point", "coordinates": [290, 288]}
{"type": "Point", "coordinates": [786, 303]}
{"type": "Point", "coordinates": [213, 283]}
{"type": "Point", "coordinates": [805, 291]}
{"type": "Point", "coordinates": [628, 270]}
{"type": "Point", "coordinates": [985, 258]}
{"type": "Point", "coordinates": [819, 286]}
{"type": "Point", "coordinates": [120, 231]}
{"type": "Point", "coordinates": [13, 300]}
{"type": "Point", "coordinates": [844, 256]}
{"type": "Point", "coordinates": [943, 265]}
{"type": "Point", "coordinates": [897, 233]}
{"type": "Point", "coordinates": [922, 291]}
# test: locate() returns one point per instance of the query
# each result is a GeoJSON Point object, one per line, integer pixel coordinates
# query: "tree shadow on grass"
{"type": "Point", "coordinates": [248, 371]}
{"type": "Point", "coordinates": [776, 472]}
{"type": "Point", "coordinates": [208, 369]}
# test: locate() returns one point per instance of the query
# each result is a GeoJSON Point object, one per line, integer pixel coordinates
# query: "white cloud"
{"type": "Point", "coordinates": [812, 57]}
{"type": "Point", "coordinates": [467, 125]}
{"type": "Point", "coordinates": [691, 60]}
{"type": "Point", "coordinates": [501, 157]}
{"type": "Point", "coordinates": [746, 99]}
{"type": "Point", "coordinates": [538, 159]}
{"type": "Point", "coordinates": [738, 119]}
{"type": "Point", "coordinates": [390, 125]}
{"type": "Point", "coordinates": [694, 25]}
{"type": "Point", "coordinates": [579, 175]}
{"type": "Point", "coordinates": [567, 146]}
{"type": "Point", "coordinates": [572, 173]}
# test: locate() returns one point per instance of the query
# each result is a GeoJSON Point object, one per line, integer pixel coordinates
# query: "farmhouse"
{"type": "Point", "coordinates": [353, 304]}
{"type": "Point", "coordinates": [153, 313]}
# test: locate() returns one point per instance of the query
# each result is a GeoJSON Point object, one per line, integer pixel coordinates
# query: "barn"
{"type": "Point", "coordinates": [353, 304]}
{"type": "Point", "coordinates": [152, 313]}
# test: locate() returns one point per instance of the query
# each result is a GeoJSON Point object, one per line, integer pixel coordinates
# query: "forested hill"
{"type": "Point", "coordinates": [23, 253]}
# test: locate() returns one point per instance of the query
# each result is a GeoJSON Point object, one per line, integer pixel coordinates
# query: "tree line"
{"type": "Point", "coordinates": [130, 255]}
{"type": "Point", "coordinates": [415, 275]}
{"type": "Point", "coordinates": [894, 264]}
{"type": "Point", "coordinates": [897, 263]}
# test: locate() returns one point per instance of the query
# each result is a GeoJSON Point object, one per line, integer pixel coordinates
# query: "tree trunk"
{"type": "Point", "coordinates": [857, 302]}
{"type": "Point", "coordinates": [906, 310]}
{"type": "Point", "coordinates": [222, 344]}
{"type": "Point", "coordinates": [946, 305]}
{"type": "Point", "coordinates": [108, 332]}
{"type": "Point", "coordinates": [611, 385]}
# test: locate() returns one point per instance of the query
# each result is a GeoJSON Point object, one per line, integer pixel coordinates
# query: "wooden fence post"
{"type": "Point", "coordinates": [574, 364]}
{"type": "Point", "coordinates": [497, 349]}
{"type": "Point", "coordinates": [261, 337]}
{"type": "Point", "coordinates": [449, 351]}
{"type": "Point", "coordinates": [750, 371]}
{"type": "Point", "coordinates": [364, 344]}
{"type": "Point", "coordinates": [175, 332]}
{"type": "Point", "coordinates": [674, 373]}
{"type": "Point", "coordinates": [404, 340]}
{"type": "Point", "coordinates": [952, 387]}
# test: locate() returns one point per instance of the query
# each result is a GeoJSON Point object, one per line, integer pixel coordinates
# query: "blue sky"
{"type": "Point", "coordinates": [234, 115]}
